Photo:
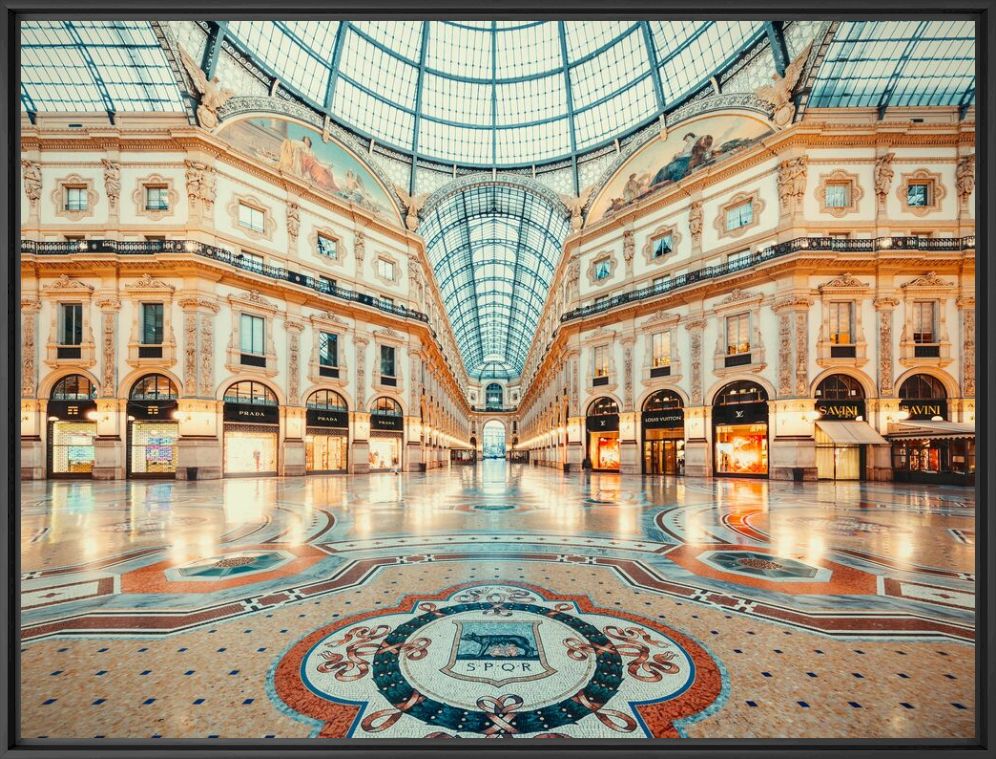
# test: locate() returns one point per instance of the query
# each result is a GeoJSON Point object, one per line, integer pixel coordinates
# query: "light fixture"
{"type": "Point", "coordinates": [937, 418]}
{"type": "Point", "coordinates": [859, 418]}
{"type": "Point", "coordinates": [904, 414]}
{"type": "Point", "coordinates": [53, 418]}
{"type": "Point", "coordinates": [91, 415]}
{"type": "Point", "coordinates": [131, 418]}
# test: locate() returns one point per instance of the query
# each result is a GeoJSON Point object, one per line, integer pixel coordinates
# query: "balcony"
{"type": "Point", "coordinates": [237, 260]}
{"type": "Point", "coordinates": [815, 244]}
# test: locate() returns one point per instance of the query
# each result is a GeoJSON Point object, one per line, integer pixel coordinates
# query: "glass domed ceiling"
{"type": "Point", "coordinates": [494, 93]}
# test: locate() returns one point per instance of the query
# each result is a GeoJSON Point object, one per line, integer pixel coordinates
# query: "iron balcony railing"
{"type": "Point", "coordinates": [829, 244]}
{"type": "Point", "coordinates": [493, 409]}
{"type": "Point", "coordinates": [238, 260]}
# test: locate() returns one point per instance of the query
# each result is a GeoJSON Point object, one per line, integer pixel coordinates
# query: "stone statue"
{"type": "Point", "coordinates": [779, 93]}
{"type": "Point", "coordinates": [293, 220]}
{"type": "Point", "coordinates": [576, 205]}
{"type": "Point", "coordinates": [791, 182]}
{"type": "Point", "coordinates": [695, 218]}
{"type": "Point", "coordinates": [31, 173]}
{"type": "Point", "coordinates": [112, 181]}
{"type": "Point", "coordinates": [883, 176]}
{"type": "Point", "coordinates": [213, 95]}
{"type": "Point", "coordinates": [413, 204]}
{"type": "Point", "coordinates": [965, 178]}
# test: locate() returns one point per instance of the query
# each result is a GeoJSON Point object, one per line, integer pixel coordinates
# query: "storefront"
{"type": "Point", "coordinates": [72, 428]}
{"type": "Point", "coordinates": [252, 430]}
{"type": "Point", "coordinates": [663, 424]}
{"type": "Point", "coordinates": [326, 440]}
{"type": "Point", "coordinates": [926, 447]}
{"type": "Point", "coordinates": [602, 426]}
{"type": "Point", "coordinates": [153, 432]}
{"type": "Point", "coordinates": [740, 430]}
{"type": "Point", "coordinates": [842, 435]}
{"type": "Point", "coordinates": [387, 430]}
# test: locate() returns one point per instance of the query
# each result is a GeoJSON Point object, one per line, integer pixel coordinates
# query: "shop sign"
{"type": "Point", "coordinates": [741, 413]}
{"type": "Point", "coordinates": [387, 422]}
{"type": "Point", "coordinates": [925, 409]}
{"type": "Point", "coordinates": [318, 417]}
{"type": "Point", "coordinates": [74, 410]}
{"type": "Point", "coordinates": [245, 412]}
{"type": "Point", "coordinates": [841, 410]}
{"type": "Point", "coordinates": [669, 419]}
{"type": "Point", "coordinates": [603, 423]}
{"type": "Point", "coordinates": [152, 410]}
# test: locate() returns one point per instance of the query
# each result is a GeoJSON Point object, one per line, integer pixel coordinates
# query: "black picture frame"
{"type": "Point", "coordinates": [982, 11]}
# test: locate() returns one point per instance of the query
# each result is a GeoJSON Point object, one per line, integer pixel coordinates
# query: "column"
{"type": "Point", "coordinates": [199, 413]}
{"type": "Point", "coordinates": [697, 416]}
{"type": "Point", "coordinates": [292, 416]}
{"type": "Point", "coordinates": [109, 447]}
{"type": "Point", "coordinates": [359, 456]}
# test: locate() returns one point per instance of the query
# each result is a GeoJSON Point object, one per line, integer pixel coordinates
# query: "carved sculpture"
{"type": "Point", "coordinates": [112, 182]}
{"type": "Point", "coordinates": [200, 183]}
{"type": "Point", "coordinates": [207, 354]}
{"type": "Point", "coordinates": [629, 249]}
{"type": "Point", "coordinates": [293, 220]}
{"type": "Point", "coordinates": [779, 93]}
{"type": "Point", "coordinates": [359, 249]}
{"type": "Point", "coordinates": [575, 205]}
{"type": "Point", "coordinates": [212, 95]}
{"type": "Point", "coordinates": [189, 348]}
{"type": "Point", "coordinates": [965, 179]}
{"type": "Point", "coordinates": [31, 176]}
{"type": "Point", "coordinates": [792, 183]}
{"type": "Point", "coordinates": [883, 177]}
{"type": "Point", "coordinates": [413, 204]}
{"type": "Point", "coordinates": [695, 222]}
{"type": "Point", "coordinates": [968, 348]}
{"type": "Point", "coordinates": [784, 355]}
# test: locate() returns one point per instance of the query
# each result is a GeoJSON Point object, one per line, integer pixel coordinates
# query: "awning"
{"type": "Point", "coordinates": [927, 428]}
{"type": "Point", "coordinates": [851, 433]}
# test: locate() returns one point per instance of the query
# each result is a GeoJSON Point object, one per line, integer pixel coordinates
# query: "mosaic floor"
{"type": "Point", "coordinates": [496, 601]}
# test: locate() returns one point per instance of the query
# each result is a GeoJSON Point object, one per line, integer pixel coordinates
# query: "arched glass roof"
{"type": "Point", "coordinates": [493, 249]}
{"type": "Point", "coordinates": [494, 93]}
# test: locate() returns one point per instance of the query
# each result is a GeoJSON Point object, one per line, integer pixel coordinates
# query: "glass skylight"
{"type": "Point", "coordinates": [493, 249]}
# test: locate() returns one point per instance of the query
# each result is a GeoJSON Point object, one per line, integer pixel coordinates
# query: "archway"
{"type": "Point", "coordinates": [493, 440]}
{"type": "Point", "coordinates": [152, 433]}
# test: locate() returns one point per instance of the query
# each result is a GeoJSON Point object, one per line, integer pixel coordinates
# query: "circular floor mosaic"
{"type": "Point", "coordinates": [497, 661]}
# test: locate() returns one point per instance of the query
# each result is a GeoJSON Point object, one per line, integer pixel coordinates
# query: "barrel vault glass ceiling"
{"type": "Point", "coordinates": [491, 94]}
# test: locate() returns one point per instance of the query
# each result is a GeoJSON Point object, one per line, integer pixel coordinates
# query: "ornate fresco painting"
{"type": "Point", "coordinates": [300, 151]}
{"type": "Point", "coordinates": [690, 146]}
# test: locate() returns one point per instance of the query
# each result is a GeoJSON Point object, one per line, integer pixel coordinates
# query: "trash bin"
{"type": "Point", "coordinates": [797, 474]}
{"type": "Point", "coordinates": [191, 473]}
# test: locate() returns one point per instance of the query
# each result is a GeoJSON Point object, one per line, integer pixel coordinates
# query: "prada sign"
{"type": "Point", "coordinates": [604, 423]}
{"type": "Point", "coordinates": [387, 422]}
{"type": "Point", "coordinates": [741, 413]}
{"type": "Point", "coordinates": [245, 412]}
{"type": "Point", "coordinates": [152, 410]}
{"type": "Point", "coordinates": [841, 410]}
{"type": "Point", "coordinates": [73, 410]}
{"type": "Point", "coordinates": [925, 409]}
{"type": "Point", "coordinates": [318, 417]}
{"type": "Point", "coordinates": [656, 420]}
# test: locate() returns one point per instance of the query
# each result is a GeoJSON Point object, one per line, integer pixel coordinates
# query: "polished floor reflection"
{"type": "Point", "coordinates": [496, 601]}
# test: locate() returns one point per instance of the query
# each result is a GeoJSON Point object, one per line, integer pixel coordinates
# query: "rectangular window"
{"type": "Point", "coordinates": [328, 246]}
{"type": "Point", "coordinates": [387, 361]}
{"type": "Point", "coordinates": [252, 333]}
{"type": "Point", "coordinates": [602, 361]}
{"type": "Point", "coordinates": [739, 216]}
{"type": "Point", "coordinates": [737, 334]}
{"type": "Point", "coordinates": [251, 261]}
{"type": "Point", "coordinates": [156, 198]}
{"type": "Point", "coordinates": [925, 321]}
{"type": "Point", "coordinates": [918, 194]}
{"type": "Point", "coordinates": [72, 324]}
{"type": "Point", "coordinates": [76, 199]}
{"type": "Point", "coordinates": [152, 323]}
{"type": "Point", "coordinates": [838, 195]}
{"type": "Point", "coordinates": [662, 349]}
{"type": "Point", "coordinates": [842, 323]}
{"type": "Point", "coordinates": [385, 268]}
{"type": "Point", "coordinates": [602, 269]}
{"type": "Point", "coordinates": [738, 260]}
{"type": "Point", "coordinates": [661, 246]}
{"type": "Point", "coordinates": [328, 349]}
{"type": "Point", "coordinates": [251, 218]}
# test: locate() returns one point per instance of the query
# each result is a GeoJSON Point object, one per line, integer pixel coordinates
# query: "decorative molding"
{"type": "Point", "coordinates": [935, 194]}
{"type": "Point", "coordinates": [855, 193]}
{"type": "Point", "coordinates": [965, 181]}
{"type": "Point", "coordinates": [138, 196]}
{"type": "Point", "coordinates": [65, 283]}
{"type": "Point", "coordinates": [930, 280]}
{"type": "Point", "coordinates": [74, 181]}
{"type": "Point", "coordinates": [329, 233]}
{"type": "Point", "coordinates": [201, 186]}
{"type": "Point", "coordinates": [395, 268]}
{"type": "Point", "coordinates": [293, 221]}
{"type": "Point", "coordinates": [883, 177]}
{"type": "Point", "coordinates": [269, 223]}
{"type": "Point", "coordinates": [31, 179]}
{"type": "Point", "coordinates": [757, 206]}
{"type": "Point", "coordinates": [112, 183]}
{"type": "Point", "coordinates": [845, 281]}
{"type": "Point", "coordinates": [791, 182]}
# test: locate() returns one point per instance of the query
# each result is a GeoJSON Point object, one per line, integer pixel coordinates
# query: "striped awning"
{"type": "Point", "coordinates": [851, 433]}
{"type": "Point", "coordinates": [928, 428]}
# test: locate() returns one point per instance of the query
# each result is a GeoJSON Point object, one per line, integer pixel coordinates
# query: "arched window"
{"type": "Point", "coordinates": [385, 406]}
{"type": "Point", "coordinates": [840, 387]}
{"type": "Point", "coordinates": [603, 407]}
{"type": "Point", "coordinates": [662, 400]}
{"type": "Point", "coordinates": [251, 393]}
{"type": "Point", "coordinates": [154, 387]}
{"type": "Point", "coordinates": [741, 392]}
{"type": "Point", "coordinates": [494, 395]}
{"type": "Point", "coordinates": [922, 387]}
{"type": "Point", "coordinates": [74, 387]}
{"type": "Point", "coordinates": [327, 400]}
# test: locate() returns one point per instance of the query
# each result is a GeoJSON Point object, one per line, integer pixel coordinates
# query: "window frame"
{"type": "Point", "coordinates": [742, 347]}
{"type": "Point", "coordinates": [253, 319]}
